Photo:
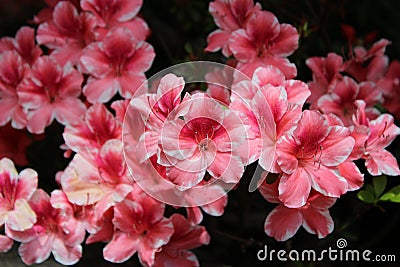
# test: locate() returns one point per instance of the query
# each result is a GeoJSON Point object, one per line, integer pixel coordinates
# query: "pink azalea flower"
{"type": "Point", "coordinates": [369, 65]}
{"type": "Point", "coordinates": [206, 139]}
{"type": "Point", "coordinates": [48, 235]}
{"type": "Point", "coordinates": [275, 108]}
{"type": "Point", "coordinates": [12, 72]}
{"type": "Point", "coordinates": [14, 144]}
{"type": "Point", "coordinates": [229, 15]}
{"type": "Point", "coordinates": [309, 158]}
{"type": "Point", "coordinates": [186, 236]}
{"type": "Point", "coordinates": [121, 13]}
{"type": "Point", "coordinates": [102, 180]}
{"type": "Point", "coordinates": [141, 228]}
{"type": "Point", "coordinates": [390, 86]}
{"type": "Point", "coordinates": [283, 222]}
{"type": "Point", "coordinates": [15, 192]}
{"type": "Point", "coordinates": [326, 72]}
{"type": "Point", "coordinates": [67, 33]}
{"type": "Point", "coordinates": [116, 64]}
{"type": "Point", "coordinates": [88, 135]}
{"type": "Point", "coordinates": [264, 41]}
{"type": "Point", "coordinates": [49, 92]}
{"type": "Point", "coordinates": [341, 99]}
{"type": "Point", "coordinates": [382, 132]}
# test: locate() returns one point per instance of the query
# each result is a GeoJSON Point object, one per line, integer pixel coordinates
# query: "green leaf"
{"type": "Point", "coordinates": [366, 196]}
{"type": "Point", "coordinates": [379, 185]}
{"type": "Point", "coordinates": [392, 195]}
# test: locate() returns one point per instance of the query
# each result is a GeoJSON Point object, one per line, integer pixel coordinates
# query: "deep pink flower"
{"type": "Point", "coordinates": [186, 236]}
{"type": "Point", "coordinates": [15, 192]}
{"type": "Point", "coordinates": [229, 15]}
{"type": "Point", "coordinates": [67, 33]}
{"type": "Point", "coordinates": [341, 99]}
{"type": "Point", "coordinates": [48, 235]}
{"type": "Point", "coordinates": [369, 65]}
{"type": "Point", "coordinates": [88, 135]}
{"type": "Point", "coordinates": [12, 72]}
{"type": "Point", "coordinates": [309, 157]}
{"type": "Point", "coordinates": [6, 243]}
{"type": "Point", "coordinates": [390, 86]}
{"type": "Point", "coordinates": [117, 64]}
{"type": "Point", "coordinates": [49, 92]}
{"type": "Point", "coordinates": [101, 180]}
{"type": "Point", "coordinates": [121, 13]}
{"type": "Point", "coordinates": [141, 228]}
{"type": "Point", "coordinates": [283, 222]}
{"type": "Point", "coordinates": [326, 72]}
{"type": "Point", "coordinates": [264, 41]}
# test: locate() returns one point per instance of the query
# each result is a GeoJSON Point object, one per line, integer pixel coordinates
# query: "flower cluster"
{"type": "Point", "coordinates": [310, 154]}
{"type": "Point", "coordinates": [84, 67]}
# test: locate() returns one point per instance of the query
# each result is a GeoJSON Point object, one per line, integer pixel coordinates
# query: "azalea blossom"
{"type": "Point", "coordinates": [12, 72]}
{"type": "Point", "coordinates": [48, 235]}
{"type": "Point", "coordinates": [89, 134]}
{"type": "Point", "coordinates": [228, 16]}
{"type": "Point", "coordinates": [49, 92]}
{"type": "Point", "coordinates": [186, 236]}
{"type": "Point", "coordinates": [141, 227]}
{"type": "Point", "coordinates": [67, 32]}
{"type": "Point", "coordinates": [264, 41]}
{"type": "Point", "coordinates": [101, 180]}
{"type": "Point", "coordinates": [390, 85]}
{"type": "Point", "coordinates": [15, 192]}
{"type": "Point", "coordinates": [283, 222]}
{"type": "Point", "coordinates": [309, 157]}
{"type": "Point", "coordinates": [113, 14]}
{"type": "Point", "coordinates": [116, 64]}
{"type": "Point", "coordinates": [381, 133]}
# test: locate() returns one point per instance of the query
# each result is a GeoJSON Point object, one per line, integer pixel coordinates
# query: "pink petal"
{"type": "Point", "coordinates": [326, 181]}
{"type": "Point", "coordinates": [283, 64]}
{"type": "Point", "coordinates": [353, 176]}
{"type": "Point", "coordinates": [40, 119]}
{"type": "Point", "coordinates": [37, 250]}
{"type": "Point", "coordinates": [130, 83]}
{"type": "Point", "coordinates": [242, 46]}
{"type": "Point", "coordinates": [22, 217]}
{"type": "Point", "coordinates": [27, 184]}
{"type": "Point", "coordinates": [382, 162]}
{"type": "Point", "coordinates": [100, 90]}
{"type": "Point", "coordinates": [337, 146]}
{"type": "Point", "coordinates": [317, 222]}
{"type": "Point", "coordinates": [66, 255]}
{"type": "Point", "coordinates": [286, 42]}
{"type": "Point", "coordinates": [127, 10]}
{"type": "Point", "coordinates": [121, 247]}
{"type": "Point", "coordinates": [270, 191]}
{"type": "Point", "coordinates": [217, 40]}
{"type": "Point", "coordinates": [229, 168]}
{"type": "Point", "coordinates": [262, 27]}
{"type": "Point", "coordinates": [5, 243]}
{"type": "Point", "coordinates": [65, 114]}
{"type": "Point", "coordinates": [295, 188]}
{"type": "Point", "coordinates": [297, 92]}
{"type": "Point", "coordinates": [282, 223]}
{"type": "Point", "coordinates": [95, 62]}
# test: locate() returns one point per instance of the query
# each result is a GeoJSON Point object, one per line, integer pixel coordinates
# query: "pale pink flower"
{"type": "Point", "coordinates": [341, 99]}
{"type": "Point", "coordinates": [141, 227]}
{"type": "Point", "coordinates": [121, 13]}
{"type": "Point", "coordinates": [49, 92]}
{"type": "Point", "coordinates": [206, 138]}
{"type": "Point", "coordinates": [264, 41]}
{"type": "Point", "coordinates": [88, 135]}
{"type": "Point", "coordinates": [101, 180]}
{"type": "Point", "coordinates": [48, 235]}
{"type": "Point", "coordinates": [381, 133]}
{"type": "Point", "coordinates": [67, 33]}
{"type": "Point", "coordinates": [229, 15]}
{"type": "Point", "coordinates": [15, 192]}
{"type": "Point", "coordinates": [116, 64]}
{"type": "Point", "coordinates": [283, 222]}
{"type": "Point", "coordinates": [12, 72]}
{"type": "Point", "coordinates": [309, 158]}
{"type": "Point", "coordinates": [186, 236]}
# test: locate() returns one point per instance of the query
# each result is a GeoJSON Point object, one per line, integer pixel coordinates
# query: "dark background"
{"type": "Point", "coordinates": [179, 30]}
